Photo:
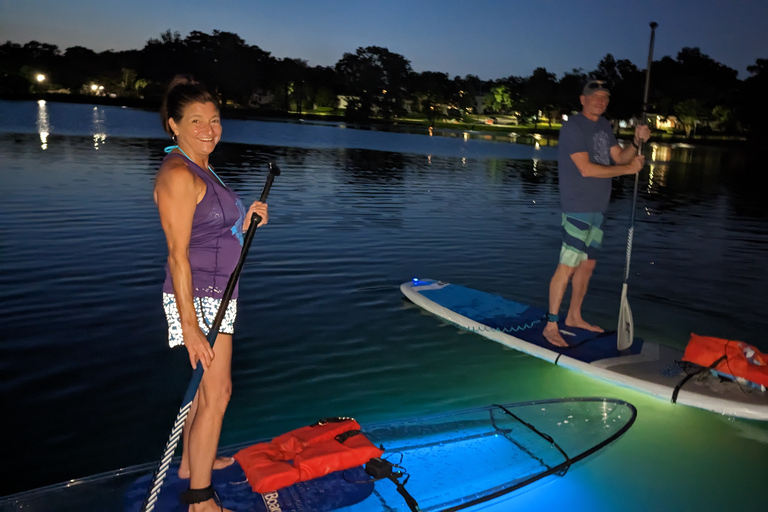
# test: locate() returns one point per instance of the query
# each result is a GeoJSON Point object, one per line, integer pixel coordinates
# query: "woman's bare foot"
{"type": "Point", "coordinates": [552, 335]}
{"type": "Point", "coordinates": [218, 463]}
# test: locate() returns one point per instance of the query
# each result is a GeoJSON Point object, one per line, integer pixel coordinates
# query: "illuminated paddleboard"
{"type": "Point", "coordinates": [645, 366]}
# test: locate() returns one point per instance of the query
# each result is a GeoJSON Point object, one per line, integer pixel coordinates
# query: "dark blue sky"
{"type": "Point", "coordinates": [488, 38]}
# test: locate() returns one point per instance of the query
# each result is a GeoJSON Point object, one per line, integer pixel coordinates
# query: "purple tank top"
{"type": "Point", "coordinates": [217, 237]}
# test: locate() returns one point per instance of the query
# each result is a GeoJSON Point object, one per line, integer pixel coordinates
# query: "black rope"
{"type": "Point", "coordinates": [691, 375]}
{"type": "Point", "coordinates": [581, 343]}
{"type": "Point", "coordinates": [547, 437]}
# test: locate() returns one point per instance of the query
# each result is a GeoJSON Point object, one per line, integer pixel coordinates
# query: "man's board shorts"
{"type": "Point", "coordinates": [582, 237]}
{"type": "Point", "coordinates": [206, 308]}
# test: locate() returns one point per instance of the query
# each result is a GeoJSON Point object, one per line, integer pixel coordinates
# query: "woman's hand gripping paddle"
{"type": "Point", "coordinates": [626, 328]}
{"type": "Point", "coordinates": [197, 375]}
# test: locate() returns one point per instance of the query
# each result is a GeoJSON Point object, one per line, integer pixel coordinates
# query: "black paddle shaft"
{"type": "Point", "coordinates": [274, 170]}
{"type": "Point", "coordinates": [639, 151]}
{"type": "Point", "coordinates": [648, 78]}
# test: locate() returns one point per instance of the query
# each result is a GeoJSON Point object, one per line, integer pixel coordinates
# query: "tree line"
{"type": "Point", "coordinates": [701, 93]}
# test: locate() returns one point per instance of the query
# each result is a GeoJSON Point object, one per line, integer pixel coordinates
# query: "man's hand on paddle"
{"type": "Point", "coordinates": [636, 164]}
{"type": "Point", "coordinates": [642, 133]}
{"type": "Point", "coordinates": [198, 347]}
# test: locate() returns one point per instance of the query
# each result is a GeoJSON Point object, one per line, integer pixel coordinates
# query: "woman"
{"type": "Point", "coordinates": [203, 221]}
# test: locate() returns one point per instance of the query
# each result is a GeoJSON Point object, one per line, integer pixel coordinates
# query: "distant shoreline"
{"type": "Point", "coordinates": [229, 112]}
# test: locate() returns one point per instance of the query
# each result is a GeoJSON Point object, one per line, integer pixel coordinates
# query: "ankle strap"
{"type": "Point", "coordinates": [192, 496]}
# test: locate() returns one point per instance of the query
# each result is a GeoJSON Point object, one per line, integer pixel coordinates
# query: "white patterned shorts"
{"type": "Point", "coordinates": [206, 308]}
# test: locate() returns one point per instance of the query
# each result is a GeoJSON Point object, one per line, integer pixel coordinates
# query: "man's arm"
{"type": "Point", "coordinates": [592, 170]}
{"type": "Point", "coordinates": [623, 156]}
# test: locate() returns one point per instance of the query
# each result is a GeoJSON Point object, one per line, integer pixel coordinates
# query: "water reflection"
{"type": "Point", "coordinates": [657, 175]}
{"type": "Point", "coordinates": [99, 127]}
{"type": "Point", "coordinates": [661, 153]}
{"type": "Point", "coordinates": [43, 125]}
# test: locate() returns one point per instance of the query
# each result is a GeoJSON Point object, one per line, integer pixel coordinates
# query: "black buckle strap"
{"type": "Point", "coordinates": [192, 496]}
{"type": "Point", "coordinates": [346, 435]}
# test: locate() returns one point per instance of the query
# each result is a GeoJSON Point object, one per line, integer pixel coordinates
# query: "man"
{"type": "Point", "coordinates": [588, 157]}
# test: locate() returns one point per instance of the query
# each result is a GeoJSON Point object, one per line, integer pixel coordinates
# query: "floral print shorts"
{"type": "Point", "coordinates": [206, 308]}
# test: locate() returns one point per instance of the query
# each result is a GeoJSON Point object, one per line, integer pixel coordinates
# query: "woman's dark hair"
{"type": "Point", "coordinates": [183, 91]}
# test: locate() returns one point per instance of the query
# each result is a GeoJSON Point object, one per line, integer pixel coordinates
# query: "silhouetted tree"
{"type": "Point", "coordinates": [223, 60]}
{"type": "Point", "coordinates": [692, 75]}
{"type": "Point", "coordinates": [541, 89]}
{"type": "Point", "coordinates": [434, 94]}
{"type": "Point", "coordinates": [753, 101]}
{"type": "Point", "coordinates": [569, 89]}
{"type": "Point", "coordinates": [468, 88]}
{"type": "Point", "coordinates": [376, 80]}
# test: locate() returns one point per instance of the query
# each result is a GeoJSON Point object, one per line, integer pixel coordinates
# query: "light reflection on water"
{"type": "Point", "coordinates": [42, 123]}
{"type": "Point", "coordinates": [323, 330]}
{"type": "Point", "coordinates": [99, 127]}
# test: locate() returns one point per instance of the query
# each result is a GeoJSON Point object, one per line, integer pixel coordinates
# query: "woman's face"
{"type": "Point", "coordinates": [199, 129]}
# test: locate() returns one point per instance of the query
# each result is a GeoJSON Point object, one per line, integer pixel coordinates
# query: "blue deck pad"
{"type": "Point", "coordinates": [331, 492]}
{"type": "Point", "coordinates": [526, 323]}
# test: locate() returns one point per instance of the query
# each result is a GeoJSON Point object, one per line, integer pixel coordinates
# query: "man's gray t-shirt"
{"type": "Point", "coordinates": [579, 194]}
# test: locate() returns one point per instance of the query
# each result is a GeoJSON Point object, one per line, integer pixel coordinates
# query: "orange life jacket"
{"type": "Point", "coordinates": [306, 453]}
{"type": "Point", "coordinates": [742, 360]}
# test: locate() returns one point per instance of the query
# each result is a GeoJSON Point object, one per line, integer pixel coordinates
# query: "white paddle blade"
{"type": "Point", "coordinates": [625, 333]}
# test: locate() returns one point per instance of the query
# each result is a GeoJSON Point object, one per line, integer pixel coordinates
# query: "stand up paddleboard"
{"type": "Point", "coordinates": [445, 462]}
{"type": "Point", "coordinates": [644, 366]}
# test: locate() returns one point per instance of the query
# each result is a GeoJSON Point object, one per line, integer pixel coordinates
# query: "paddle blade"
{"type": "Point", "coordinates": [626, 328]}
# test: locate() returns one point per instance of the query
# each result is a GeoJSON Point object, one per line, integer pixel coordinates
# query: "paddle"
{"type": "Point", "coordinates": [626, 329]}
{"type": "Point", "coordinates": [153, 491]}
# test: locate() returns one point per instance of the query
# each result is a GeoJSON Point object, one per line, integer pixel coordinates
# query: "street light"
{"type": "Point", "coordinates": [40, 77]}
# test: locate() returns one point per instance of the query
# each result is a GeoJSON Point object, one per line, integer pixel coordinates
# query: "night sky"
{"type": "Point", "coordinates": [489, 38]}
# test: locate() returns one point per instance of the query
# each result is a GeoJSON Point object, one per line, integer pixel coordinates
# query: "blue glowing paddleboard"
{"type": "Point", "coordinates": [645, 366]}
{"type": "Point", "coordinates": [455, 460]}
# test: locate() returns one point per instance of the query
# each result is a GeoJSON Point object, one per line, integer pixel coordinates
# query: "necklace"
{"type": "Point", "coordinates": [171, 148]}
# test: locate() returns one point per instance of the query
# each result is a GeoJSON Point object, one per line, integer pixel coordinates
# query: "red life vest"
{"type": "Point", "coordinates": [742, 360]}
{"type": "Point", "coordinates": [306, 453]}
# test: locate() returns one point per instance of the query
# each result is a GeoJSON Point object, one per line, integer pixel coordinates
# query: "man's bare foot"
{"type": "Point", "coordinates": [218, 463]}
{"type": "Point", "coordinates": [208, 506]}
{"type": "Point", "coordinates": [581, 324]}
{"type": "Point", "coordinates": [552, 335]}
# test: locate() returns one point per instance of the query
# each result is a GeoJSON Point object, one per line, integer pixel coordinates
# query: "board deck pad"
{"type": "Point", "coordinates": [330, 492]}
{"type": "Point", "coordinates": [527, 323]}
{"type": "Point", "coordinates": [645, 366]}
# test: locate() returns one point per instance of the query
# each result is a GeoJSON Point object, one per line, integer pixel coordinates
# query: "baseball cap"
{"type": "Point", "coordinates": [595, 85]}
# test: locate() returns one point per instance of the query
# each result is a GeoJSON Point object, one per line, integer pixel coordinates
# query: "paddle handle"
{"type": "Point", "coordinates": [153, 491]}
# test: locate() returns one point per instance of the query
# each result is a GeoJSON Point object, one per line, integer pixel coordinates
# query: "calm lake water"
{"type": "Point", "coordinates": [89, 384]}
